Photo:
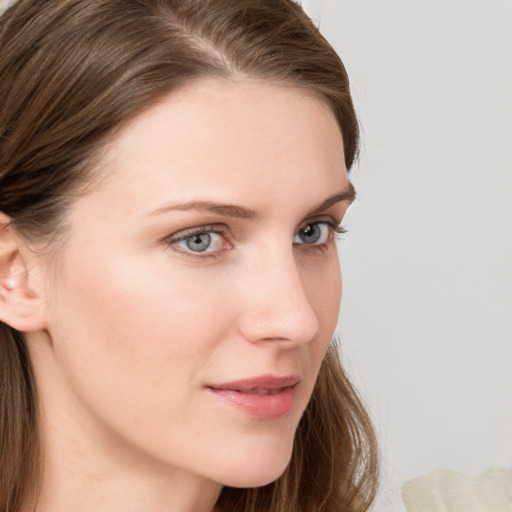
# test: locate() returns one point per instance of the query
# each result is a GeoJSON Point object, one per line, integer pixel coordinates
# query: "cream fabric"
{"type": "Point", "coordinates": [445, 490]}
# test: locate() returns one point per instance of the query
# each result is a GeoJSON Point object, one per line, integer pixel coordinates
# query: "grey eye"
{"type": "Point", "coordinates": [198, 243]}
{"type": "Point", "coordinates": [203, 240]}
{"type": "Point", "coordinates": [313, 234]}
{"type": "Point", "coordinates": [310, 234]}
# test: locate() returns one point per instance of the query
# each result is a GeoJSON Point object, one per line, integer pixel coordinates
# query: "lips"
{"type": "Point", "coordinates": [263, 391]}
{"type": "Point", "coordinates": [264, 397]}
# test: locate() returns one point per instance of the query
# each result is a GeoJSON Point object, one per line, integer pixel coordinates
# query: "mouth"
{"type": "Point", "coordinates": [265, 397]}
{"type": "Point", "coordinates": [262, 391]}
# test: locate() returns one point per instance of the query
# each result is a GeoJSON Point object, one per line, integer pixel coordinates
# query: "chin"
{"type": "Point", "coordinates": [254, 478]}
{"type": "Point", "coordinates": [257, 471]}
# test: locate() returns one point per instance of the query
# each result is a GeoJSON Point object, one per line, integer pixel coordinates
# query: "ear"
{"type": "Point", "coordinates": [21, 304]}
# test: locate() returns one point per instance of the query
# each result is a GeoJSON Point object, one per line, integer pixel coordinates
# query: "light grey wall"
{"type": "Point", "coordinates": [426, 319]}
{"type": "Point", "coordinates": [5, 3]}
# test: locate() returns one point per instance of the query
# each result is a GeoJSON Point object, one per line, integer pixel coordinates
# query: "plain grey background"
{"type": "Point", "coordinates": [426, 323]}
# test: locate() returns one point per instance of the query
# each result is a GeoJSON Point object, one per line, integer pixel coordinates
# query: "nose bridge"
{"type": "Point", "coordinates": [278, 308]}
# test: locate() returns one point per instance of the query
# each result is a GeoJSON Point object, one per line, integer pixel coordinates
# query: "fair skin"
{"type": "Point", "coordinates": [144, 317]}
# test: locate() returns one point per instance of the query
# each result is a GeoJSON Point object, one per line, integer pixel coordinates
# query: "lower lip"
{"type": "Point", "coordinates": [261, 406]}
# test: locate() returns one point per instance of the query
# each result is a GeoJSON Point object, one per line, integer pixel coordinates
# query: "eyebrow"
{"type": "Point", "coordinates": [348, 195]}
{"type": "Point", "coordinates": [241, 212]}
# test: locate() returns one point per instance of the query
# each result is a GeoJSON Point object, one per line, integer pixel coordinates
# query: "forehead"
{"type": "Point", "coordinates": [218, 137]}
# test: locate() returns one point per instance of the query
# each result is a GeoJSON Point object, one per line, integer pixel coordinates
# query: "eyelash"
{"type": "Point", "coordinates": [335, 232]}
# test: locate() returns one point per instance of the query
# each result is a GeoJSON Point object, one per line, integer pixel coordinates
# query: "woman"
{"type": "Point", "coordinates": [172, 176]}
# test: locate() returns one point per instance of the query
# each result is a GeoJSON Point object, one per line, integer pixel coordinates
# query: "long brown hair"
{"type": "Point", "coordinates": [71, 71]}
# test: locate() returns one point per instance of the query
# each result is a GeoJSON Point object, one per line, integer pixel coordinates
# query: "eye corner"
{"type": "Point", "coordinates": [339, 229]}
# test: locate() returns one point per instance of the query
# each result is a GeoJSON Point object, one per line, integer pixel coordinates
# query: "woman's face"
{"type": "Point", "coordinates": [198, 289]}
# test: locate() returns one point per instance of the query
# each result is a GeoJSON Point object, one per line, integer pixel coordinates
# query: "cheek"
{"type": "Point", "coordinates": [131, 346]}
{"type": "Point", "coordinates": [323, 288]}
{"type": "Point", "coordinates": [124, 330]}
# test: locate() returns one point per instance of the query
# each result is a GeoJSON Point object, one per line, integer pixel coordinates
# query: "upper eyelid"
{"type": "Point", "coordinates": [188, 232]}
{"type": "Point", "coordinates": [223, 229]}
{"type": "Point", "coordinates": [325, 219]}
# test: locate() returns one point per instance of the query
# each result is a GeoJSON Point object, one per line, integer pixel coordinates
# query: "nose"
{"type": "Point", "coordinates": [276, 306]}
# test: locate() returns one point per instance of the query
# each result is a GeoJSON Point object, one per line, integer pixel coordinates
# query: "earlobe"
{"type": "Point", "coordinates": [21, 304]}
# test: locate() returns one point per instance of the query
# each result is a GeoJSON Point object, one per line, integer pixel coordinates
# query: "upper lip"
{"type": "Point", "coordinates": [270, 382]}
